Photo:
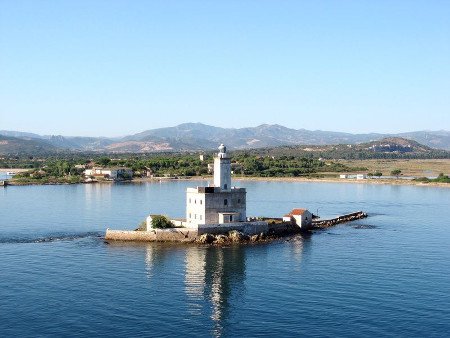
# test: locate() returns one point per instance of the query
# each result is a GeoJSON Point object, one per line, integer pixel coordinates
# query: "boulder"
{"type": "Point", "coordinates": [206, 239]}
{"type": "Point", "coordinates": [254, 238]}
{"type": "Point", "coordinates": [222, 239]}
{"type": "Point", "coordinates": [237, 237]}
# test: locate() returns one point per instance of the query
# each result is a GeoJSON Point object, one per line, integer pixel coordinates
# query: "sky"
{"type": "Point", "coordinates": [112, 68]}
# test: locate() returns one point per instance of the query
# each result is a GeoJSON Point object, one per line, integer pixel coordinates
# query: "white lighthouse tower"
{"type": "Point", "coordinates": [217, 204]}
{"type": "Point", "coordinates": [222, 170]}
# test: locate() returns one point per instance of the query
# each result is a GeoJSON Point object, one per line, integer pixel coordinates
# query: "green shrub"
{"type": "Point", "coordinates": [161, 222]}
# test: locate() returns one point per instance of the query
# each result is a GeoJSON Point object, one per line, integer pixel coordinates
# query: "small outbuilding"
{"type": "Point", "coordinates": [301, 217]}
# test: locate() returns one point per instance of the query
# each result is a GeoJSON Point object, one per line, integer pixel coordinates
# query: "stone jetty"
{"type": "Point", "coordinates": [326, 223]}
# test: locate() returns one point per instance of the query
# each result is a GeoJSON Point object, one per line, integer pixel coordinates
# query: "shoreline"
{"type": "Point", "coordinates": [299, 179]}
{"type": "Point", "coordinates": [249, 178]}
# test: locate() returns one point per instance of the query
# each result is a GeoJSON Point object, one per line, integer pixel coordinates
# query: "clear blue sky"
{"type": "Point", "coordinates": [118, 67]}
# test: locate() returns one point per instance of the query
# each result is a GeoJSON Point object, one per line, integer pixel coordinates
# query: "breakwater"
{"type": "Point", "coordinates": [326, 223]}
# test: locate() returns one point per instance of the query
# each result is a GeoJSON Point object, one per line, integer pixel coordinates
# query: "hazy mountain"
{"type": "Point", "coordinates": [19, 134]}
{"type": "Point", "coordinates": [386, 148]}
{"type": "Point", "coordinates": [198, 136]}
{"type": "Point", "coordinates": [14, 145]}
{"type": "Point", "coordinates": [79, 142]}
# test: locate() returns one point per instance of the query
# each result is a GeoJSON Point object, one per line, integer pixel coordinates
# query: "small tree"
{"type": "Point", "coordinates": [396, 172]}
{"type": "Point", "coordinates": [378, 174]}
{"type": "Point", "coordinates": [104, 161]}
{"type": "Point", "coordinates": [161, 222]}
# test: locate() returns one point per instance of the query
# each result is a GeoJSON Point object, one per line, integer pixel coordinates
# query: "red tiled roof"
{"type": "Point", "coordinates": [296, 212]}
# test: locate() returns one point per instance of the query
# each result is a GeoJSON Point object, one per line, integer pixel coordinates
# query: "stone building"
{"type": "Point", "coordinates": [217, 204]}
{"type": "Point", "coordinates": [301, 217]}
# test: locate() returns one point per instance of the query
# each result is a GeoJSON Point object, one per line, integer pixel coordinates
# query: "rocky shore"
{"type": "Point", "coordinates": [276, 231]}
{"type": "Point", "coordinates": [233, 237]}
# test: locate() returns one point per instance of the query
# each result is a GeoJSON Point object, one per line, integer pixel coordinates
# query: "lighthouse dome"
{"type": "Point", "coordinates": [222, 149]}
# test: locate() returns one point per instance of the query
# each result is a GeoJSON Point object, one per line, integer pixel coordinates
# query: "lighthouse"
{"type": "Point", "coordinates": [219, 203]}
{"type": "Point", "coordinates": [222, 169]}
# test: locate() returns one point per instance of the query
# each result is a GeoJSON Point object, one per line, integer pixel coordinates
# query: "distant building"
{"type": "Point", "coordinates": [216, 204]}
{"type": "Point", "coordinates": [202, 157]}
{"type": "Point", "coordinates": [361, 176]}
{"type": "Point", "coordinates": [148, 172]}
{"type": "Point", "coordinates": [343, 176]}
{"type": "Point", "coordinates": [116, 173]}
{"type": "Point", "coordinates": [301, 217]}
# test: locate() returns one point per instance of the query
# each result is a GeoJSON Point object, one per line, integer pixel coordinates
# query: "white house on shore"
{"type": "Point", "coordinates": [115, 173]}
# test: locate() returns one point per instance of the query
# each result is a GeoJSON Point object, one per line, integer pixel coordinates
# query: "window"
{"type": "Point", "coordinates": [195, 201]}
{"type": "Point", "coordinates": [201, 217]}
{"type": "Point", "coordinates": [225, 202]}
{"type": "Point", "coordinates": [201, 201]}
{"type": "Point", "coordinates": [225, 186]}
{"type": "Point", "coordinates": [239, 201]}
{"type": "Point", "coordinates": [190, 216]}
{"type": "Point", "coordinates": [195, 216]}
{"type": "Point", "coordinates": [189, 200]}
{"type": "Point", "coordinates": [231, 218]}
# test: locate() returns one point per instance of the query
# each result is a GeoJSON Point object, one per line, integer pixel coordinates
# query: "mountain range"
{"type": "Point", "coordinates": [198, 136]}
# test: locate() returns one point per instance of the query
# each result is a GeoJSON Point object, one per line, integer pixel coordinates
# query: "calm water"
{"type": "Point", "coordinates": [387, 275]}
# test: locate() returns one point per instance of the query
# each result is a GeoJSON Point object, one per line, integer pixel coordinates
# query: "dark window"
{"type": "Point", "coordinates": [239, 200]}
{"type": "Point", "coordinates": [231, 218]}
{"type": "Point", "coordinates": [225, 202]}
{"type": "Point", "coordinates": [225, 187]}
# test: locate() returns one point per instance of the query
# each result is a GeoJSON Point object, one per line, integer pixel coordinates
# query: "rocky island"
{"type": "Point", "coordinates": [218, 214]}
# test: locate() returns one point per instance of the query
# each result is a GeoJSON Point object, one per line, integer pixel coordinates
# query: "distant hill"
{"type": "Point", "coordinates": [198, 136]}
{"type": "Point", "coordinates": [14, 145]}
{"type": "Point", "coordinates": [389, 147]}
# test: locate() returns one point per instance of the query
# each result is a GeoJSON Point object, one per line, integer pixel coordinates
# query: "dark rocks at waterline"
{"type": "Point", "coordinates": [233, 237]}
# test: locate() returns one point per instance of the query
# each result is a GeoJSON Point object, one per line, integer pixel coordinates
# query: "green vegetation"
{"type": "Point", "coordinates": [53, 172]}
{"type": "Point", "coordinates": [63, 170]}
{"type": "Point", "coordinates": [396, 172]}
{"type": "Point", "coordinates": [161, 222]}
{"type": "Point", "coordinates": [440, 179]}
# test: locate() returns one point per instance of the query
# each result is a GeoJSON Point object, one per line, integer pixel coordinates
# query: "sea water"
{"type": "Point", "coordinates": [386, 275]}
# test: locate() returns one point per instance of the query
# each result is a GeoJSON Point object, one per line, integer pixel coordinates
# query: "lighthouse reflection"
{"type": "Point", "coordinates": [214, 278]}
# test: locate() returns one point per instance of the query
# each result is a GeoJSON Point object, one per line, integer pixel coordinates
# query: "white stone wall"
{"type": "Point", "coordinates": [248, 228]}
{"type": "Point", "coordinates": [204, 208]}
{"type": "Point", "coordinates": [195, 207]}
{"type": "Point", "coordinates": [235, 202]}
{"type": "Point", "coordinates": [304, 221]}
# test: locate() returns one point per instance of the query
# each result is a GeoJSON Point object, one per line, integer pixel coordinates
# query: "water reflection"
{"type": "Point", "coordinates": [297, 247]}
{"type": "Point", "coordinates": [214, 279]}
